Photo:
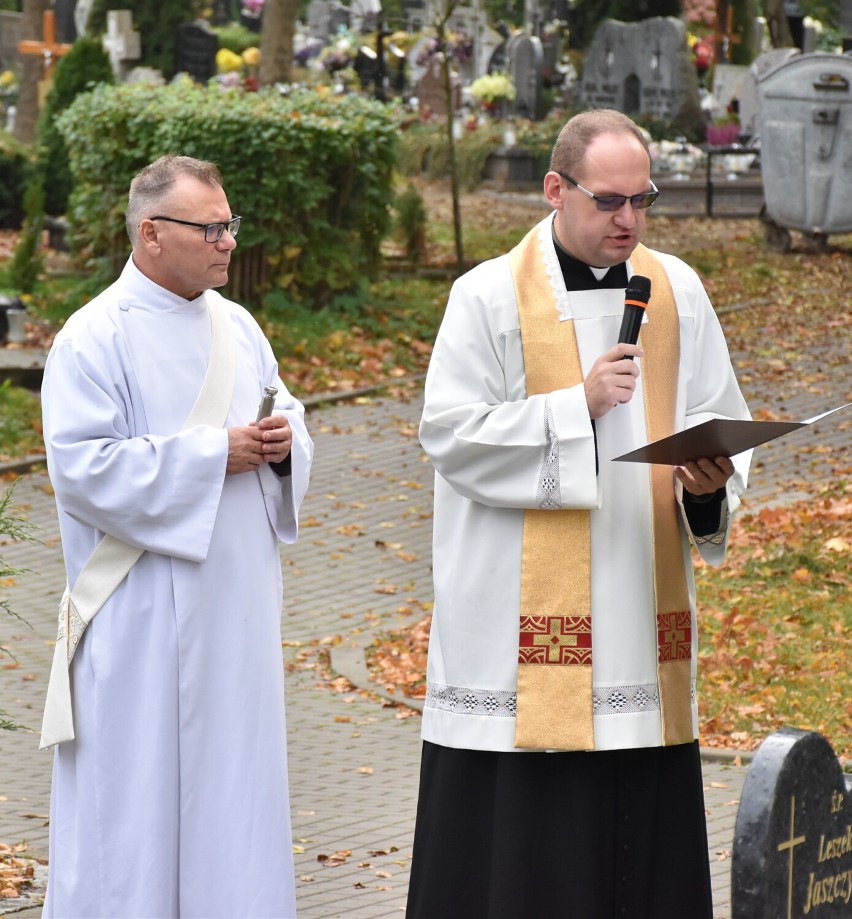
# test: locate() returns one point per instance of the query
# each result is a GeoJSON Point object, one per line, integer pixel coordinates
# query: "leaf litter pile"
{"type": "Point", "coordinates": [776, 619]}
{"type": "Point", "coordinates": [17, 871]}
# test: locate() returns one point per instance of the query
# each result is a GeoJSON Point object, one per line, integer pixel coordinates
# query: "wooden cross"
{"type": "Point", "coordinates": [48, 47]}
{"type": "Point", "coordinates": [723, 39]}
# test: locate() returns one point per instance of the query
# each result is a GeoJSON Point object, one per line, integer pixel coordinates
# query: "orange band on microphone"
{"type": "Point", "coordinates": [636, 303]}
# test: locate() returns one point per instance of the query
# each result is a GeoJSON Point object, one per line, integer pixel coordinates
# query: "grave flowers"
{"type": "Point", "coordinates": [8, 88]}
{"type": "Point", "coordinates": [238, 70]}
{"type": "Point", "coordinates": [493, 91]}
{"type": "Point", "coordinates": [341, 54]}
{"type": "Point", "coordinates": [251, 14]}
{"type": "Point", "coordinates": [723, 133]}
{"type": "Point", "coordinates": [675, 156]}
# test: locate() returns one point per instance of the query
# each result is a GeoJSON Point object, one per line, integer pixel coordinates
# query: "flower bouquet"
{"type": "Point", "coordinates": [493, 91]}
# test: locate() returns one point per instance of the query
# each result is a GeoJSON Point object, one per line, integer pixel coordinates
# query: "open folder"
{"type": "Point", "coordinates": [717, 437]}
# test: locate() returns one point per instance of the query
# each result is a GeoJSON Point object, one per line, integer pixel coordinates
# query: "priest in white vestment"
{"type": "Point", "coordinates": [170, 792]}
{"type": "Point", "coordinates": [561, 772]}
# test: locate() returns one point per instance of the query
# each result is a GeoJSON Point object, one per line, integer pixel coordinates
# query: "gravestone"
{"type": "Point", "coordinates": [339, 19]}
{"type": "Point", "coordinates": [414, 15]}
{"type": "Point", "coordinates": [319, 18]}
{"type": "Point", "coordinates": [430, 90]}
{"type": "Point", "coordinates": [793, 836]}
{"type": "Point", "coordinates": [82, 9]}
{"type": "Point", "coordinates": [222, 12]}
{"type": "Point", "coordinates": [640, 68]}
{"type": "Point", "coordinates": [364, 15]}
{"type": "Point", "coordinates": [196, 48]}
{"type": "Point", "coordinates": [419, 59]}
{"type": "Point", "coordinates": [11, 33]}
{"type": "Point", "coordinates": [121, 42]}
{"type": "Point", "coordinates": [525, 67]}
{"type": "Point", "coordinates": [733, 85]}
{"type": "Point", "coordinates": [66, 28]}
{"type": "Point", "coordinates": [484, 48]}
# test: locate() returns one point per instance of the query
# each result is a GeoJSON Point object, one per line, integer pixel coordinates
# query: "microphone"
{"type": "Point", "coordinates": [635, 300]}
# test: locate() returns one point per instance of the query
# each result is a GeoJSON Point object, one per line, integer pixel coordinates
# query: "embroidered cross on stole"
{"type": "Point", "coordinates": [555, 707]}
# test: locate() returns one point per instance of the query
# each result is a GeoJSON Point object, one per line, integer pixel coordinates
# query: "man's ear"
{"type": "Point", "coordinates": [553, 190]}
{"type": "Point", "coordinates": [149, 235]}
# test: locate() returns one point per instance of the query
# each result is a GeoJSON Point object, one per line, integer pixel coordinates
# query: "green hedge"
{"type": "Point", "coordinates": [16, 162]}
{"type": "Point", "coordinates": [311, 176]}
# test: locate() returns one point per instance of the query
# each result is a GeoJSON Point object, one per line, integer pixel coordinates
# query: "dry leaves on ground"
{"type": "Point", "coordinates": [17, 870]}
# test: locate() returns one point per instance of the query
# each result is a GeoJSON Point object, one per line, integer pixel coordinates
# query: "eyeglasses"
{"type": "Point", "coordinates": [616, 202]}
{"type": "Point", "coordinates": [212, 231]}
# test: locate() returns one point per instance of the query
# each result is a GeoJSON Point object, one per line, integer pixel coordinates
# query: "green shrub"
{"type": "Point", "coordinates": [85, 65]}
{"type": "Point", "coordinates": [411, 218]}
{"type": "Point", "coordinates": [15, 163]}
{"type": "Point", "coordinates": [236, 37]}
{"type": "Point", "coordinates": [20, 426]}
{"type": "Point", "coordinates": [311, 176]}
{"type": "Point", "coordinates": [424, 150]}
{"type": "Point", "coordinates": [27, 262]}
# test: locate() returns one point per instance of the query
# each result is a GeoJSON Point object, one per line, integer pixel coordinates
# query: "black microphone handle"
{"type": "Point", "coordinates": [630, 323]}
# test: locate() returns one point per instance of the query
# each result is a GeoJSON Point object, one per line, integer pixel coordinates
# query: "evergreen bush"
{"type": "Point", "coordinates": [15, 164]}
{"type": "Point", "coordinates": [85, 65]}
{"type": "Point", "coordinates": [311, 175]}
{"type": "Point", "coordinates": [411, 219]}
{"type": "Point", "coordinates": [27, 261]}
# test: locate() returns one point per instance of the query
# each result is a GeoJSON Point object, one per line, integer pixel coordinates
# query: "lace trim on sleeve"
{"type": "Point", "coordinates": [548, 494]}
{"type": "Point", "coordinates": [714, 539]}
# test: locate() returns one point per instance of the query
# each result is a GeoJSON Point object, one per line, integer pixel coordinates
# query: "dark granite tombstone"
{"type": "Point", "coordinates": [793, 836]}
{"type": "Point", "coordinates": [197, 45]}
{"type": "Point", "coordinates": [222, 12]}
{"type": "Point", "coordinates": [66, 30]}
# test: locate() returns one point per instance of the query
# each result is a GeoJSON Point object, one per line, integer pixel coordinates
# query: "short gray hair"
{"type": "Point", "coordinates": [153, 185]}
{"type": "Point", "coordinates": [569, 151]}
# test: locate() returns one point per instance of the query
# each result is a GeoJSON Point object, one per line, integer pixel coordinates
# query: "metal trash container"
{"type": "Point", "coordinates": [805, 126]}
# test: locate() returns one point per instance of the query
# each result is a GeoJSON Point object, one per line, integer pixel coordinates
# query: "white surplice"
{"type": "Point", "coordinates": [488, 443]}
{"type": "Point", "coordinates": [173, 798]}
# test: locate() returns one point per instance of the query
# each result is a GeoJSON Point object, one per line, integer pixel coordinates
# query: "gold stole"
{"type": "Point", "coordinates": [555, 707]}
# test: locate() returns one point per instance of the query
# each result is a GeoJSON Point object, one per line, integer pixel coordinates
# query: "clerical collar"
{"type": "Point", "coordinates": [580, 276]}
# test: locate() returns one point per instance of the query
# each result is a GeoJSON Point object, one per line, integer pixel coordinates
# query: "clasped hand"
{"type": "Point", "coordinates": [266, 441]}
{"type": "Point", "coordinates": [612, 382]}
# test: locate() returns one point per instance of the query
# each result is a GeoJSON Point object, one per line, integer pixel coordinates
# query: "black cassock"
{"type": "Point", "coordinates": [618, 834]}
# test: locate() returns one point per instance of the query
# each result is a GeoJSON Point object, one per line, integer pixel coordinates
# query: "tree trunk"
{"type": "Point", "coordinates": [779, 28]}
{"type": "Point", "coordinates": [441, 29]}
{"type": "Point", "coordinates": [32, 72]}
{"type": "Point", "coordinates": [276, 41]}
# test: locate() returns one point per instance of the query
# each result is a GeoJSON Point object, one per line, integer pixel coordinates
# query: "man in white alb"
{"type": "Point", "coordinates": [170, 793]}
{"type": "Point", "coordinates": [560, 770]}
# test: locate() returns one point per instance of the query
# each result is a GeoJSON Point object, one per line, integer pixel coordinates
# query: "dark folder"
{"type": "Point", "coordinates": [717, 437]}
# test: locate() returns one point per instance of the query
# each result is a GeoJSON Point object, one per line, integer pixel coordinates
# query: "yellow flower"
{"type": "Point", "coordinates": [251, 56]}
{"type": "Point", "coordinates": [7, 79]}
{"type": "Point", "coordinates": [226, 61]}
{"type": "Point", "coordinates": [492, 87]}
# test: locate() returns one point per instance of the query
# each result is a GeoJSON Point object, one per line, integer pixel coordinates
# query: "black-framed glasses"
{"type": "Point", "coordinates": [212, 231]}
{"type": "Point", "coordinates": [616, 202]}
